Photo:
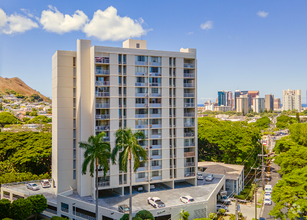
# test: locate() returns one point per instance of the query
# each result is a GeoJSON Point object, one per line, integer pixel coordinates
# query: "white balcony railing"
{"type": "Point", "coordinates": [189, 124]}
{"type": "Point", "coordinates": [141, 115]}
{"type": "Point", "coordinates": [141, 73]}
{"type": "Point", "coordinates": [155, 136]}
{"type": "Point", "coordinates": [155, 115]}
{"type": "Point", "coordinates": [155, 84]}
{"type": "Point", "coordinates": [156, 167]}
{"type": "Point", "coordinates": [189, 105]}
{"type": "Point", "coordinates": [155, 126]}
{"type": "Point", "coordinates": [102, 94]}
{"type": "Point", "coordinates": [104, 116]}
{"type": "Point", "coordinates": [155, 94]}
{"type": "Point", "coordinates": [141, 63]}
{"type": "Point", "coordinates": [141, 84]}
{"type": "Point", "coordinates": [155, 105]}
{"type": "Point", "coordinates": [141, 126]}
{"type": "Point", "coordinates": [190, 114]}
{"type": "Point", "coordinates": [189, 75]}
{"type": "Point", "coordinates": [189, 144]}
{"type": "Point", "coordinates": [189, 95]}
{"type": "Point", "coordinates": [188, 134]}
{"type": "Point", "coordinates": [102, 72]}
{"type": "Point", "coordinates": [102, 83]}
{"type": "Point", "coordinates": [141, 105]}
{"type": "Point", "coordinates": [102, 105]}
{"type": "Point", "coordinates": [141, 94]}
{"type": "Point", "coordinates": [154, 63]}
{"type": "Point", "coordinates": [154, 74]}
{"type": "Point", "coordinates": [189, 65]}
{"type": "Point", "coordinates": [102, 128]}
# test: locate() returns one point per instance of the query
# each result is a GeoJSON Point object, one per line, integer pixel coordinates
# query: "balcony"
{"type": "Point", "coordinates": [189, 105]}
{"type": "Point", "coordinates": [189, 154]}
{"type": "Point", "coordinates": [141, 115]}
{"type": "Point", "coordinates": [155, 105]}
{"type": "Point", "coordinates": [102, 83]}
{"type": "Point", "coordinates": [189, 84]}
{"type": "Point", "coordinates": [154, 74]}
{"type": "Point", "coordinates": [155, 94]}
{"type": "Point", "coordinates": [105, 116]}
{"type": "Point", "coordinates": [102, 94]}
{"type": "Point", "coordinates": [141, 180]}
{"type": "Point", "coordinates": [155, 146]}
{"type": "Point", "coordinates": [102, 60]}
{"type": "Point", "coordinates": [155, 126]}
{"type": "Point", "coordinates": [102, 72]}
{"type": "Point", "coordinates": [142, 169]}
{"type": "Point", "coordinates": [102, 128]}
{"type": "Point", "coordinates": [189, 75]}
{"type": "Point", "coordinates": [102, 105]}
{"type": "Point", "coordinates": [141, 105]}
{"type": "Point", "coordinates": [104, 184]}
{"type": "Point", "coordinates": [189, 134]}
{"type": "Point", "coordinates": [141, 84]}
{"type": "Point", "coordinates": [189, 94]}
{"type": "Point", "coordinates": [141, 73]}
{"type": "Point", "coordinates": [141, 95]}
{"type": "Point", "coordinates": [189, 164]}
{"type": "Point", "coordinates": [155, 84]}
{"type": "Point", "coordinates": [189, 125]}
{"type": "Point", "coordinates": [156, 167]}
{"type": "Point", "coordinates": [156, 178]}
{"type": "Point", "coordinates": [155, 136]}
{"type": "Point", "coordinates": [84, 216]}
{"type": "Point", "coordinates": [189, 114]}
{"type": "Point", "coordinates": [189, 65]}
{"type": "Point", "coordinates": [155, 63]}
{"type": "Point", "coordinates": [189, 144]}
{"type": "Point", "coordinates": [141, 63]}
{"type": "Point", "coordinates": [155, 115]}
{"type": "Point", "coordinates": [141, 126]}
{"type": "Point", "coordinates": [189, 174]}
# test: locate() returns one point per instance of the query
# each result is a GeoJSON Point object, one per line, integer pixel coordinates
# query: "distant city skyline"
{"type": "Point", "coordinates": [244, 45]}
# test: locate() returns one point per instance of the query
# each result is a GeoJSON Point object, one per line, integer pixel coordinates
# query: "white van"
{"type": "Point", "coordinates": [268, 188]}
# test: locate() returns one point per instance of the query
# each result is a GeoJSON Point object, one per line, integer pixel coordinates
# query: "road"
{"type": "Point", "coordinates": [275, 177]}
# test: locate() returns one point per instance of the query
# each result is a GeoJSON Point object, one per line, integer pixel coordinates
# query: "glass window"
{"type": "Point", "coordinates": [119, 58]}
{"type": "Point", "coordinates": [74, 143]}
{"type": "Point", "coordinates": [74, 154]}
{"type": "Point", "coordinates": [74, 164]}
{"type": "Point", "coordinates": [74, 174]}
{"type": "Point", "coordinates": [137, 45]}
{"type": "Point", "coordinates": [119, 79]}
{"type": "Point", "coordinates": [74, 102]}
{"type": "Point", "coordinates": [119, 69]}
{"type": "Point", "coordinates": [170, 61]}
{"type": "Point", "coordinates": [74, 112]}
{"type": "Point", "coordinates": [74, 133]}
{"type": "Point", "coordinates": [74, 82]}
{"type": "Point", "coordinates": [74, 123]}
{"type": "Point", "coordinates": [124, 58]}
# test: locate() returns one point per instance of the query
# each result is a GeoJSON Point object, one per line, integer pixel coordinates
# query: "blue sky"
{"type": "Point", "coordinates": [246, 45]}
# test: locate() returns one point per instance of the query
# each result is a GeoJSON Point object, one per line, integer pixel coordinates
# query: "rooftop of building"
{"type": "Point", "coordinates": [231, 171]}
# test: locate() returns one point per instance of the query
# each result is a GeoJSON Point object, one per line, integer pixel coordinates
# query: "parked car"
{"type": "Point", "coordinates": [210, 177]}
{"type": "Point", "coordinates": [152, 187]}
{"type": "Point", "coordinates": [200, 176]}
{"type": "Point", "coordinates": [32, 186]}
{"type": "Point", "coordinates": [267, 196]}
{"type": "Point", "coordinates": [155, 202]}
{"type": "Point", "coordinates": [220, 206]}
{"type": "Point", "coordinates": [267, 202]}
{"type": "Point", "coordinates": [268, 188]}
{"type": "Point", "coordinates": [123, 208]}
{"type": "Point", "coordinates": [45, 183]}
{"type": "Point", "coordinates": [186, 199]}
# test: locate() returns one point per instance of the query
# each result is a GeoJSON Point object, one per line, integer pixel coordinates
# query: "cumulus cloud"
{"type": "Point", "coordinates": [55, 21]}
{"type": "Point", "coordinates": [262, 14]}
{"type": "Point", "coordinates": [107, 25]}
{"type": "Point", "coordinates": [15, 23]}
{"type": "Point", "coordinates": [207, 25]}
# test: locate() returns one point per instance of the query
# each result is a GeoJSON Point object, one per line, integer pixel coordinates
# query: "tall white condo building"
{"type": "Point", "coordinates": [291, 99]}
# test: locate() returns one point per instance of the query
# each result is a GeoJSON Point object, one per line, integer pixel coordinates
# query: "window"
{"type": "Point", "coordinates": [74, 61]}
{"type": "Point", "coordinates": [140, 69]}
{"type": "Point", "coordinates": [74, 154]}
{"type": "Point", "coordinates": [74, 174]}
{"type": "Point", "coordinates": [74, 82]}
{"type": "Point", "coordinates": [74, 72]}
{"type": "Point", "coordinates": [124, 69]}
{"type": "Point", "coordinates": [74, 123]}
{"type": "Point", "coordinates": [174, 61]}
{"type": "Point", "coordinates": [141, 175]}
{"type": "Point", "coordinates": [124, 59]}
{"type": "Point", "coordinates": [137, 45]}
{"type": "Point", "coordinates": [74, 133]}
{"type": "Point", "coordinates": [170, 61]}
{"type": "Point", "coordinates": [119, 79]}
{"type": "Point", "coordinates": [74, 143]}
{"type": "Point", "coordinates": [74, 103]}
{"type": "Point", "coordinates": [119, 69]}
{"type": "Point", "coordinates": [119, 58]}
{"type": "Point", "coordinates": [119, 90]}
{"type": "Point", "coordinates": [74, 164]}
{"type": "Point", "coordinates": [74, 112]}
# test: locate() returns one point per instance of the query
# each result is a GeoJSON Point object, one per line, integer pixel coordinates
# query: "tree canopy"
{"type": "Point", "coordinates": [263, 122]}
{"type": "Point", "coordinates": [7, 118]}
{"type": "Point", "coordinates": [284, 121]}
{"type": "Point", "coordinates": [39, 119]}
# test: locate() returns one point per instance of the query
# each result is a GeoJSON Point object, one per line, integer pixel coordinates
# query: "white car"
{"type": "Point", "coordinates": [268, 188]}
{"type": "Point", "coordinates": [267, 196]}
{"type": "Point", "coordinates": [267, 202]}
{"type": "Point", "coordinates": [32, 186]}
{"type": "Point", "coordinates": [155, 202]}
{"type": "Point", "coordinates": [45, 183]}
{"type": "Point", "coordinates": [186, 199]}
{"type": "Point", "coordinates": [220, 206]}
{"type": "Point", "coordinates": [210, 177]}
{"type": "Point", "coordinates": [200, 176]}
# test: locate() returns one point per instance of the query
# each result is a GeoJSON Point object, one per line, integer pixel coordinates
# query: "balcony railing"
{"type": "Point", "coordinates": [189, 94]}
{"type": "Point", "coordinates": [189, 154]}
{"type": "Point", "coordinates": [155, 63]}
{"type": "Point", "coordinates": [155, 105]}
{"type": "Point", "coordinates": [189, 84]}
{"type": "Point", "coordinates": [189, 164]}
{"type": "Point", "coordinates": [64, 209]}
{"type": "Point", "coordinates": [141, 63]}
{"type": "Point", "coordinates": [156, 167]}
{"type": "Point", "coordinates": [141, 126]}
{"type": "Point", "coordinates": [155, 126]}
{"type": "Point", "coordinates": [189, 174]}
{"type": "Point", "coordinates": [189, 75]}
{"type": "Point", "coordinates": [141, 105]}
{"type": "Point", "coordinates": [141, 84]}
{"type": "Point", "coordinates": [141, 180]}
{"type": "Point", "coordinates": [188, 134]}
{"type": "Point", "coordinates": [141, 73]}
{"type": "Point", "coordinates": [85, 216]}
{"type": "Point", "coordinates": [155, 94]}
{"type": "Point", "coordinates": [189, 65]}
{"type": "Point", "coordinates": [141, 94]}
{"type": "Point", "coordinates": [104, 184]}
{"type": "Point", "coordinates": [156, 178]}
{"type": "Point", "coordinates": [50, 211]}
{"type": "Point", "coordinates": [155, 136]}
{"type": "Point", "coordinates": [155, 84]}
{"type": "Point", "coordinates": [102, 83]}
{"type": "Point", "coordinates": [102, 94]}
{"type": "Point", "coordinates": [102, 128]}
{"type": "Point", "coordinates": [102, 72]}
{"type": "Point", "coordinates": [141, 115]}
{"type": "Point", "coordinates": [102, 105]}
{"type": "Point", "coordinates": [154, 74]}
{"type": "Point", "coordinates": [142, 169]}
{"type": "Point", "coordinates": [155, 115]}
{"type": "Point", "coordinates": [189, 144]}
{"type": "Point", "coordinates": [189, 114]}
{"type": "Point", "coordinates": [105, 116]}
{"type": "Point", "coordinates": [189, 125]}
{"type": "Point", "coordinates": [155, 146]}
{"type": "Point", "coordinates": [189, 105]}
{"type": "Point", "coordinates": [102, 59]}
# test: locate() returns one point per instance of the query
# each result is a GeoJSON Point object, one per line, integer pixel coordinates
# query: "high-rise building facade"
{"type": "Point", "coordinates": [269, 102]}
{"type": "Point", "coordinates": [291, 99]}
{"type": "Point", "coordinates": [277, 103]}
{"type": "Point", "coordinates": [221, 95]}
{"type": "Point", "coordinates": [243, 104]}
{"type": "Point", "coordinates": [236, 95]}
{"type": "Point", "coordinates": [101, 89]}
{"type": "Point", "coordinates": [253, 95]}
{"type": "Point", "coordinates": [258, 105]}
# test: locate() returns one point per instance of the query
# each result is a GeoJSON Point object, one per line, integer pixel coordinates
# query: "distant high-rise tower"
{"type": "Point", "coordinates": [277, 104]}
{"type": "Point", "coordinates": [253, 95]}
{"type": "Point", "coordinates": [258, 105]}
{"type": "Point", "coordinates": [222, 97]}
{"type": "Point", "coordinates": [237, 95]}
{"type": "Point", "coordinates": [243, 104]}
{"type": "Point", "coordinates": [269, 102]}
{"type": "Point", "coordinates": [291, 99]}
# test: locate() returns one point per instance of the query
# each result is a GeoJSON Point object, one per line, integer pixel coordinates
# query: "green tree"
{"type": "Point", "coordinates": [128, 144]}
{"type": "Point", "coordinates": [263, 123]}
{"type": "Point", "coordinates": [144, 214]}
{"type": "Point", "coordinates": [39, 204]}
{"type": "Point", "coordinates": [7, 118]}
{"type": "Point", "coordinates": [289, 194]}
{"type": "Point", "coordinates": [26, 120]}
{"type": "Point", "coordinates": [5, 206]}
{"type": "Point", "coordinates": [97, 153]}
{"type": "Point", "coordinates": [283, 145]}
{"type": "Point", "coordinates": [125, 217]}
{"type": "Point", "coordinates": [0, 106]}
{"type": "Point", "coordinates": [33, 113]}
{"type": "Point", "coordinates": [284, 121]}
{"type": "Point", "coordinates": [40, 119]}
{"type": "Point", "coordinates": [21, 209]}
{"type": "Point", "coordinates": [184, 215]}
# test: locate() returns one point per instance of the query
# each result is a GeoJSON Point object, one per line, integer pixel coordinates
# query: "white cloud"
{"type": "Point", "coordinates": [207, 25]}
{"type": "Point", "coordinates": [27, 12]}
{"type": "Point", "coordinates": [15, 23]}
{"type": "Point", "coordinates": [189, 33]}
{"type": "Point", "coordinates": [55, 21]}
{"type": "Point", "coordinates": [262, 14]}
{"type": "Point", "coordinates": [107, 25]}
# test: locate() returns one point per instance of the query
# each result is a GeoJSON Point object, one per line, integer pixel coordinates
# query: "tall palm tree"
{"type": "Point", "coordinates": [127, 144]}
{"type": "Point", "coordinates": [97, 153]}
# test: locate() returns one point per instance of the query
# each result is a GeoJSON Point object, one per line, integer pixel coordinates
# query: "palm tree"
{"type": "Point", "coordinates": [127, 144]}
{"type": "Point", "coordinates": [97, 153]}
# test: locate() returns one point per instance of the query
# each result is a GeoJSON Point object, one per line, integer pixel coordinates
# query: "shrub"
{"type": "Point", "coordinates": [58, 218]}
{"type": "Point", "coordinates": [125, 217]}
{"type": "Point", "coordinates": [5, 205]}
{"type": "Point", "coordinates": [21, 209]}
{"type": "Point", "coordinates": [144, 214]}
{"type": "Point", "coordinates": [39, 204]}
{"type": "Point", "coordinates": [185, 215]}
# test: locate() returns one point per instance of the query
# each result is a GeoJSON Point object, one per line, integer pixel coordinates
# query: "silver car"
{"type": "Point", "coordinates": [123, 208]}
{"type": "Point", "coordinates": [210, 177]}
{"type": "Point", "coordinates": [32, 186]}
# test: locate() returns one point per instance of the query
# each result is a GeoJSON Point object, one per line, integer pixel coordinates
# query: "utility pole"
{"type": "Point", "coordinates": [255, 192]}
{"type": "Point", "coordinates": [236, 212]}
